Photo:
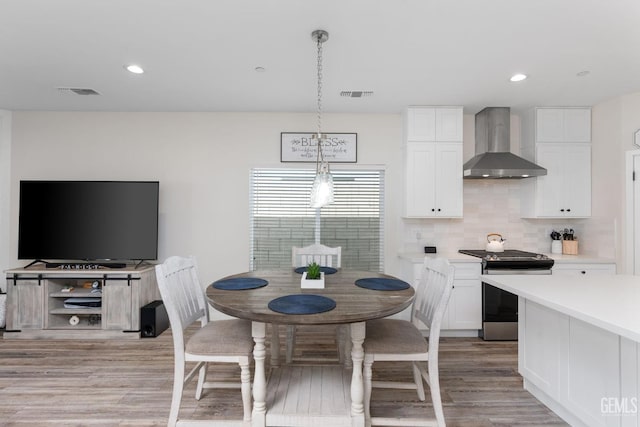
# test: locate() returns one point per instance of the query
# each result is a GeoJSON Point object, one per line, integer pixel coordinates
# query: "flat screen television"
{"type": "Point", "coordinates": [88, 220]}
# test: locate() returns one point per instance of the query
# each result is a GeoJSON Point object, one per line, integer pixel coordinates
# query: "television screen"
{"type": "Point", "coordinates": [88, 220]}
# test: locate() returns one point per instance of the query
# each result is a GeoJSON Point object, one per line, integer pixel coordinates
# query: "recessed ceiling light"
{"type": "Point", "coordinates": [135, 69]}
{"type": "Point", "coordinates": [518, 77]}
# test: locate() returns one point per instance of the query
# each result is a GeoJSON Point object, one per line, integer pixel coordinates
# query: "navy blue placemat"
{"type": "Point", "coordinates": [325, 270]}
{"type": "Point", "coordinates": [382, 284]}
{"type": "Point", "coordinates": [302, 304]}
{"type": "Point", "coordinates": [239, 283]}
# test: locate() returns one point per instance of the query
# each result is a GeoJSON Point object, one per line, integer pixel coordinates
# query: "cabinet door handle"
{"type": "Point", "coordinates": [433, 210]}
{"type": "Point", "coordinates": [583, 272]}
{"type": "Point", "coordinates": [568, 210]}
{"type": "Point", "coordinates": [561, 210]}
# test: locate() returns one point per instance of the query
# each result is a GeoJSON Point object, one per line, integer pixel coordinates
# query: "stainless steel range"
{"type": "Point", "coordinates": [500, 308]}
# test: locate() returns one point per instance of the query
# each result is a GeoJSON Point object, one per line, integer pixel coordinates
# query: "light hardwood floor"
{"type": "Point", "coordinates": [128, 383]}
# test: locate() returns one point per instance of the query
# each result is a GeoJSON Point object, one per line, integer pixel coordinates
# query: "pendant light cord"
{"type": "Point", "coordinates": [320, 156]}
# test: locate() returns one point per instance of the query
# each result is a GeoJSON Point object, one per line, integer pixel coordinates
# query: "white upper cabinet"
{"type": "Point", "coordinates": [558, 139]}
{"type": "Point", "coordinates": [421, 124]}
{"type": "Point", "coordinates": [449, 124]}
{"type": "Point", "coordinates": [566, 189]}
{"type": "Point", "coordinates": [431, 124]}
{"type": "Point", "coordinates": [563, 125]}
{"type": "Point", "coordinates": [434, 180]}
{"type": "Point", "coordinates": [433, 167]}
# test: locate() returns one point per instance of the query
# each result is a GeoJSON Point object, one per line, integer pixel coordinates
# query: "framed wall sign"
{"type": "Point", "coordinates": [337, 148]}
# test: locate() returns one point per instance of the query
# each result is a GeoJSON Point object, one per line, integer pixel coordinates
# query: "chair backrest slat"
{"type": "Point", "coordinates": [433, 292]}
{"type": "Point", "coordinates": [323, 255]}
{"type": "Point", "coordinates": [181, 292]}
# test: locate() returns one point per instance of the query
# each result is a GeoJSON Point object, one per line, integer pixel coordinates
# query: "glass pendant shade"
{"type": "Point", "coordinates": [322, 190]}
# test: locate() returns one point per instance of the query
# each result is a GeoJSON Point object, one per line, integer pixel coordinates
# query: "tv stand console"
{"type": "Point", "coordinates": [106, 302]}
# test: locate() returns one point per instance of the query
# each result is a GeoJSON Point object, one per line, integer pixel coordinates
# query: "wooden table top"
{"type": "Point", "coordinates": [353, 304]}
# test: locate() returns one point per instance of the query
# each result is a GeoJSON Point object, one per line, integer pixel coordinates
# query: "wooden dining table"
{"type": "Point", "coordinates": [306, 395]}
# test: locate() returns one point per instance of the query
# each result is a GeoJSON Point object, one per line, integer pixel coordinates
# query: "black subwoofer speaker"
{"type": "Point", "coordinates": [153, 319]}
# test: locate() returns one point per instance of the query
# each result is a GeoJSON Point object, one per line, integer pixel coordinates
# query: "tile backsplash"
{"type": "Point", "coordinates": [493, 206]}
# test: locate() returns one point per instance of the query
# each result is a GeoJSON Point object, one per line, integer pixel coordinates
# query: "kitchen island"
{"type": "Point", "coordinates": [579, 344]}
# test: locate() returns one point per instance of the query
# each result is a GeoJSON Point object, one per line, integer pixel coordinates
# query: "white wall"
{"type": "Point", "coordinates": [5, 179]}
{"type": "Point", "coordinates": [629, 124]}
{"type": "Point", "coordinates": [202, 161]}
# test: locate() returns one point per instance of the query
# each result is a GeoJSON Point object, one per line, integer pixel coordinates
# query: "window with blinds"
{"type": "Point", "coordinates": [282, 218]}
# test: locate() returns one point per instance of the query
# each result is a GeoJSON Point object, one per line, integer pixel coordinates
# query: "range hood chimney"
{"type": "Point", "coordinates": [493, 158]}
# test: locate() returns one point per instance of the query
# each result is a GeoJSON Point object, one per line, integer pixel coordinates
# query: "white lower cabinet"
{"type": "Point", "coordinates": [465, 306]}
{"type": "Point", "coordinates": [585, 374]}
{"type": "Point", "coordinates": [583, 268]}
{"type": "Point", "coordinates": [464, 312]}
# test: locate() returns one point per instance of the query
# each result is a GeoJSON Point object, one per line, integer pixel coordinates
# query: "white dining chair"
{"type": "Point", "coordinates": [401, 340]}
{"type": "Point", "coordinates": [324, 256]}
{"type": "Point", "coordinates": [221, 341]}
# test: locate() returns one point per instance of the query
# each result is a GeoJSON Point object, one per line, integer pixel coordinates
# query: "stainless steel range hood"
{"type": "Point", "coordinates": [493, 158]}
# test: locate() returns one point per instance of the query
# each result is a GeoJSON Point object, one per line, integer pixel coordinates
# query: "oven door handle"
{"type": "Point", "coordinates": [494, 271]}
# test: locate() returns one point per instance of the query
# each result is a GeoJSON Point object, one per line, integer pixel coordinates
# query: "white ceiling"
{"type": "Point", "coordinates": [201, 55]}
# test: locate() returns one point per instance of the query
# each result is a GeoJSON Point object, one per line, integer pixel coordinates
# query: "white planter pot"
{"type": "Point", "coordinates": [312, 284]}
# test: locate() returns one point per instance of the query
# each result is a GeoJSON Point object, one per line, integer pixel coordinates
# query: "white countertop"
{"type": "Point", "coordinates": [609, 302]}
{"type": "Point", "coordinates": [455, 256]}
{"type": "Point", "coordinates": [451, 256]}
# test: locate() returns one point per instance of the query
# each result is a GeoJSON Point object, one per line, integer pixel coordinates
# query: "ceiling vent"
{"type": "Point", "coordinates": [78, 91]}
{"type": "Point", "coordinates": [356, 93]}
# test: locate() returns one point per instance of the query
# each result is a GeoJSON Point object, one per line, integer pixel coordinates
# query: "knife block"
{"type": "Point", "coordinates": [570, 247]}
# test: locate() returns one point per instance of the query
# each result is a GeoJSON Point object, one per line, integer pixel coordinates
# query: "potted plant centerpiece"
{"type": "Point", "coordinates": [313, 278]}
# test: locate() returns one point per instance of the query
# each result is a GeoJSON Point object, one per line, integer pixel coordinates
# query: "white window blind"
{"type": "Point", "coordinates": [281, 217]}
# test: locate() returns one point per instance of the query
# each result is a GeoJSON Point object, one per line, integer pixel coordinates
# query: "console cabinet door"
{"type": "Point", "coordinates": [116, 305]}
{"type": "Point", "coordinates": [25, 304]}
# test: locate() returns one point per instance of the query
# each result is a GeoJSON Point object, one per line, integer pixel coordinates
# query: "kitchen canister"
{"type": "Point", "coordinates": [556, 246]}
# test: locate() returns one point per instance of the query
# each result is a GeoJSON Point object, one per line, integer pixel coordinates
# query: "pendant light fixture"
{"type": "Point", "coordinates": [322, 190]}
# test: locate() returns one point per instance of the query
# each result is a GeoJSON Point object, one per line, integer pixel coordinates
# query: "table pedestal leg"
{"type": "Point", "coordinates": [258, 419]}
{"type": "Point", "coordinates": [357, 386]}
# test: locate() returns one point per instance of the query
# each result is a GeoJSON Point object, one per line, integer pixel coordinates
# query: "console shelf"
{"type": "Point", "coordinates": [36, 302]}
